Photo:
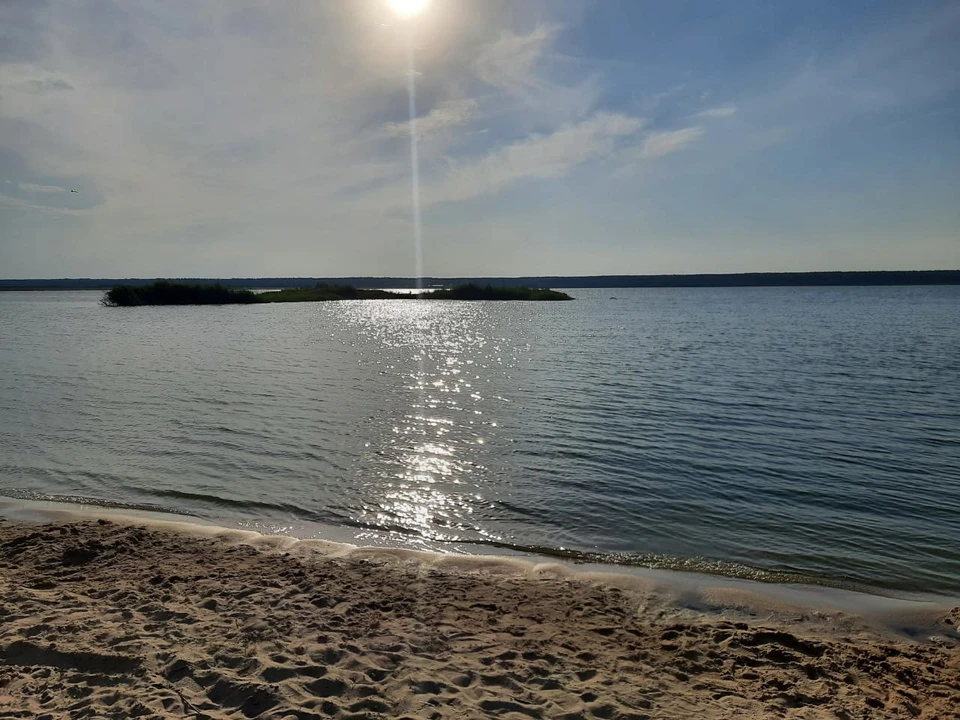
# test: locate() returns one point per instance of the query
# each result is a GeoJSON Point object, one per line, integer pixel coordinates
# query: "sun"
{"type": "Point", "coordinates": [408, 7]}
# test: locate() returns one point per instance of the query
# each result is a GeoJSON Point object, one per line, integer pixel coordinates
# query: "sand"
{"type": "Point", "coordinates": [106, 619]}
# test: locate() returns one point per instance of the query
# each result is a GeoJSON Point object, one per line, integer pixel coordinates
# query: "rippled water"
{"type": "Point", "coordinates": [775, 432]}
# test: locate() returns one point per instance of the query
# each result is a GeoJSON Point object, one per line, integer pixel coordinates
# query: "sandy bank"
{"type": "Point", "coordinates": [101, 619]}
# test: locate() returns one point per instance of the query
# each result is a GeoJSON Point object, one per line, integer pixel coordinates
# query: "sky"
{"type": "Point", "coordinates": [231, 138]}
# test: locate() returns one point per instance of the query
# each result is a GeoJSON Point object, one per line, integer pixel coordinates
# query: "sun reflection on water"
{"type": "Point", "coordinates": [428, 474]}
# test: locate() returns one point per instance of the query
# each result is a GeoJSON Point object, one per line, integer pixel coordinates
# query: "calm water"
{"type": "Point", "coordinates": [769, 433]}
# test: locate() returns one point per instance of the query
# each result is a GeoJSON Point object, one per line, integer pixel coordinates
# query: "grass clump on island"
{"type": "Point", "coordinates": [472, 291]}
{"type": "Point", "coordinates": [323, 293]}
{"type": "Point", "coordinates": [164, 292]}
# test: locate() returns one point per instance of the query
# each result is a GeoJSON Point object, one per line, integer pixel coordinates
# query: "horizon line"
{"type": "Point", "coordinates": [413, 278]}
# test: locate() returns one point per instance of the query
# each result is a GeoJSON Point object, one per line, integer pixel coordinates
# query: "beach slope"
{"type": "Point", "coordinates": [105, 619]}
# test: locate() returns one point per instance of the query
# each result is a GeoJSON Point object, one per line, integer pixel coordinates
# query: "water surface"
{"type": "Point", "coordinates": [779, 433]}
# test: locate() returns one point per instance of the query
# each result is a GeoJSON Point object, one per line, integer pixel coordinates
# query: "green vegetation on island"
{"type": "Point", "coordinates": [473, 291]}
{"type": "Point", "coordinates": [323, 292]}
{"type": "Point", "coordinates": [163, 292]}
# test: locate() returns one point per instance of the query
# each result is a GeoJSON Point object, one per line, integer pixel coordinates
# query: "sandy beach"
{"type": "Point", "coordinates": [108, 619]}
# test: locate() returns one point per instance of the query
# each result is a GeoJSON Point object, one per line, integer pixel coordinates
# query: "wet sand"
{"type": "Point", "coordinates": [111, 619]}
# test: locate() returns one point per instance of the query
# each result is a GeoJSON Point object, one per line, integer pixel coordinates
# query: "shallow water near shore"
{"type": "Point", "coordinates": [781, 434]}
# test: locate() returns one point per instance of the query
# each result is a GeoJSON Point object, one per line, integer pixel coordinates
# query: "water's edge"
{"type": "Point", "coordinates": [364, 534]}
{"type": "Point", "coordinates": [830, 609]}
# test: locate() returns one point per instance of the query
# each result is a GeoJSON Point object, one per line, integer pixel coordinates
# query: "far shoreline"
{"type": "Point", "coordinates": [836, 278]}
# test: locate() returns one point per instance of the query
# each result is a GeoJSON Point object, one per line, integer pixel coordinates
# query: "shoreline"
{"type": "Point", "coordinates": [816, 278]}
{"type": "Point", "coordinates": [746, 592]}
{"type": "Point", "coordinates": [131, 616]}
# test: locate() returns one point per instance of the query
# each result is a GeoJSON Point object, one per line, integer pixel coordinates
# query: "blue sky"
{"type": "Point", "coordinates": [235, 138]}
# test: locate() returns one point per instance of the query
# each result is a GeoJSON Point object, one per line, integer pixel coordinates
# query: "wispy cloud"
{"type": "Point", "coordinates": [724, 111]}
{"type": "Point", "coordinates": [29, 79]}
{"type": "Point", "coordinates": [896, 66]}
{"type": "Point", "coordinates": [34, 188]}
{"type": "Point", "coordinates": [21, 204]}
{"type": "Point", "coordinates": [42, 85]}
{"type": "Point", "coordinates": [547, 86]}
{"type": "Point", "coordinates": [544, 156]}
{"type": "Point", "coordinates": [651, 102]}
{"type": "Point", "coordinates": [510, 61]}
{"type": "Point", "coordinates": [447, 115]}
{"type": "Point", "coordinates": [658, 144]}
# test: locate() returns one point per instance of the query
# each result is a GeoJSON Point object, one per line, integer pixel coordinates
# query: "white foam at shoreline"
{"type": "Point", "coordinates": [827, 607]}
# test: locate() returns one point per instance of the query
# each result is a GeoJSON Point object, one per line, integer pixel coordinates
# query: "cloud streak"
{"type": "Point", "coordinates": [446, 116]}
{"type": "Point", "coordinates": [724, 111]}
{"type": "Point", "coordinates": [509, 62]}
{"type": "Point", "coordinates": [667, 142]}
{"type": "Point", "coordinates": [29, 79]}
{"type": "Point", "coordinates": [541, 157]}
{"type": "Point", "coordinates": [34, 188]}
{"type": "Point", "coordinates": [45, 210]}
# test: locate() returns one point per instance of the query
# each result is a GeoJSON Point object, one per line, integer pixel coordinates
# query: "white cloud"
{"type": "Point", "coordinates": [31, 187]}
{"type": "Point", "coordinates": [287, 130]}
{"type": "Point", "coordinates": [649, 103]}
{"type": "Point", "coordinates": [292, 147]}
{"type": "Point", "coordinates": [724, 111]}
{"type": "Point", "coordinates": [29, 79]}
{"type": "Point", "coordinates": [449, 114]}
{"type": "Point", "coordinates": [509, 63]}
{"type": "Point", "coordinates": [537, 157]}
{"type": "Point", "coordinates": [546, 87]}
{"type": "Point", "coordinates": [894, 67]}
{"type": "Point", "coordinates": [658, 144]}
{"type": "Point", "coordinates": [19, 204]}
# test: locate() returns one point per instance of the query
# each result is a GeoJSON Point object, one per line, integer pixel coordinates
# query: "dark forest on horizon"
{"type": "Point", "coordinates": [791, 279]}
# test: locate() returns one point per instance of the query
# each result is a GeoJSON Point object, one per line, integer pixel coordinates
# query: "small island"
{"type": "Point", "coordinates": [163, 292]}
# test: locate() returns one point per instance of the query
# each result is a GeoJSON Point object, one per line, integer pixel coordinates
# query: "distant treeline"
{"type": "Point", "coordinates": [799, 279]}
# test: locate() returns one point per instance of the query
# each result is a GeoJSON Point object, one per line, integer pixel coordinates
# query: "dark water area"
{"type": "Point", "coordinates": [783, 434]}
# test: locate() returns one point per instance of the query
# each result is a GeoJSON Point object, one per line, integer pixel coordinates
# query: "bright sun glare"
{"type": "Point", "coordinates": [408, 7]}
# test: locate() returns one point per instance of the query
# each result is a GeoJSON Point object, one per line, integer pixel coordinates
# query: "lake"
{"type": "Point", "coordinates": [782, 434]}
